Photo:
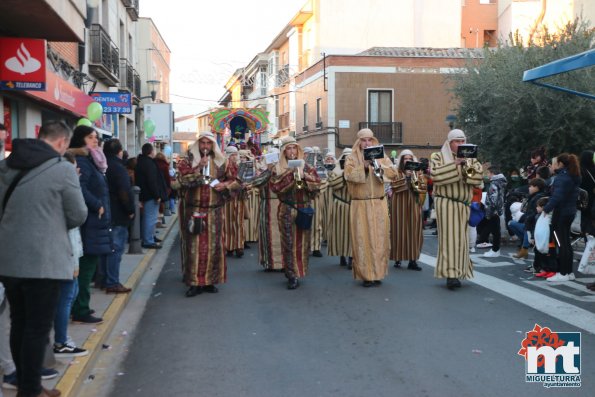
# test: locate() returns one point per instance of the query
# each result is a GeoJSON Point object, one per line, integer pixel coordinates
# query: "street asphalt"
{"type": "Point", "coordinates": [331, 337]}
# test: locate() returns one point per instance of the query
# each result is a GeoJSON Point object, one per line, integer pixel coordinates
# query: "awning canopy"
{"type": "Point", "coordinates": [564, 65]}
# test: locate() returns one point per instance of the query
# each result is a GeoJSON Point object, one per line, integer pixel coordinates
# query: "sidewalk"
{"type": "Point", "coordinates": [108, 306]}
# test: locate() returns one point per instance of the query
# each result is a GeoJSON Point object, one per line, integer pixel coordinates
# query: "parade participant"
{"type": "Point", "coordinates": [408, 194]}
{"type": "Point", "coordinates": [269, 240]}
{"type": "Point", "coordinates": [319, 204]}
{"type": "Point", "coordinates": [339, 231]}
{"type": "Point", "coordinates": [203, 179]}
{"type": "Point", "coordinates": [234, 209]}
{"type": "Point", "coordinates": [330, 162]}
{"type": "Point", "coordinates": [294, 188]}
{"type": "Point", "coordinates": [42, 199]}
{"type": "Point", "coordinates": [251, 202]}
{"type": "Point", "coordinates": [369, 219]}
{"type": "Point", "coordinates": [454, 179]}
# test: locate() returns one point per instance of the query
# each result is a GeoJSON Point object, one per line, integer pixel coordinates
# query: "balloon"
{"type": "Point", "coordinates": [94, 111]}
{"type": "Point", "coordinates": [149, 127]}
{"type": "Point", "coordinates": [151, 139]}
{"type": "Point", "coordinates": [85, 122]}
{"type": "Point", "coordinates": [167, 150]}
{"type": "Point", "coordinates": [148, 134]}
{"type": "Point", "coordinates": [393, 154]}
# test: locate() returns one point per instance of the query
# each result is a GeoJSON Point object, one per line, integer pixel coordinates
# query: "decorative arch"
{"type": "Point", "coordinates": [256, 119]}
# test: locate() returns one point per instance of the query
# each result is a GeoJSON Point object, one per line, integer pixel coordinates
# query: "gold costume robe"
{"type": "Point", "coordinates": [452, 193]}
{"type": "Point", "coordinates": [369, 219]}
{"type": "Point", "coordinates": [406, 218]}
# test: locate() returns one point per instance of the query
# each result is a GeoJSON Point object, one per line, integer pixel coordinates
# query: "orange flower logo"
{"type": "Point", "coordinates": [539, 337]}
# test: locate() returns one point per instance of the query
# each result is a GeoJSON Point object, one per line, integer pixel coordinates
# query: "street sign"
{"type": "Point", "coordinates": [114, 102]}
{"type": "Point", "coordinates": [22, 64]}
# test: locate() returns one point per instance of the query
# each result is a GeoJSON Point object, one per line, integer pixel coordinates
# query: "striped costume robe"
{"type": "Point", "coordinates": [269, 239]}
{"type": "Point", "coordinates": [235, 234]}
{"type": "Point", "coordinates": [251, 222]}
{"type": "Point", "coordinates": [452, 193]}
{"type": "Point", "coordinates": [319, 203]}
{"type": "Point", "coordinates": [406, 219]}
{"type": "Point", "coordinates": [295, 242]}
{"type": "Point", "coordinates": [368, 219]}
{"type": "Point", "coordinates": [203, 255]}
{"type": "Point", "coordinates": [338, 229]}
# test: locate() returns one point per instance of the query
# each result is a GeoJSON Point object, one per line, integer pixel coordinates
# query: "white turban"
{"type": "Point", "coordinates": [446, 151]}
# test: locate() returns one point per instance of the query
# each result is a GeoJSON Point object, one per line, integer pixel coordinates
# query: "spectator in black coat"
{"type": "Point", "coordinates": [148, 178]}
{"type": "Point", "coordinates": [562, 202]}
{"type": "Point", "coordinates": [122, 206]}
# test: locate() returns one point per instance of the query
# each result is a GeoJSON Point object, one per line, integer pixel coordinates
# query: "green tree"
{"type": "Point", "coordinates": [508, 118]}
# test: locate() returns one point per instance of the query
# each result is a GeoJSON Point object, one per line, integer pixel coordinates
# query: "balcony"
{"type": "Point", "coordinates": [385, 132]}
{"type": "Point", "coordinates": [305, 128]}
{"type": "Point", "coordinates": [318, 125]}
{"type": "Point", "coordinates": [132, 8]}
{"type": "Point", "coordinates": [136, 92]}
{"type": "Point", "coordinates": [126, 75]}
{"type": "Point", "coordinates": [104, 62]}
{"type": "Point", "coordinates": [282, 76]}
{"type": "Point", "coordinates": [283, 121]}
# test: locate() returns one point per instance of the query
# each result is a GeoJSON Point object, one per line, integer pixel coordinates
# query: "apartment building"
{"type": "Point", "coordinates": [89, 50]}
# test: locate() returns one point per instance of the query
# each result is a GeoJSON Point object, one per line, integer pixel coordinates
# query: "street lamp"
{"type": "Point", "coordinates": [152, 84]}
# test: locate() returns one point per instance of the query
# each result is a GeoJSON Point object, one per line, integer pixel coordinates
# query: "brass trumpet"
{"type": "Point", "coordinates": [206, 171]}
{"type": "Point", "coordinates": [468, 168]}
{"type": "Point", "coordinates": [299, 182]}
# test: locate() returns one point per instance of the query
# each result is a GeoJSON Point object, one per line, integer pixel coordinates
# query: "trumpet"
{"type": "Point", "coordinates": [299, 182]}
{"type": "Point", "coordinates": [468, 168]}
{"type": "Point", "coordinates": [415, 182]}
{"type": "Point", "coordinates": [378, 171]}
{"type": "Point", "coordinates": [206, 171]}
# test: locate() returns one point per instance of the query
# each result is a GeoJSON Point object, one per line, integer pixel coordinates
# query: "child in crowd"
{"type": "Point", "coordinates": [526, 224]}
{"type": "Point", "coordinates": [544, 265]}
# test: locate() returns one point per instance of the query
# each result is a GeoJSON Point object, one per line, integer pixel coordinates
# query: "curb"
{"type": "Point", "coordinates": [72, 378]}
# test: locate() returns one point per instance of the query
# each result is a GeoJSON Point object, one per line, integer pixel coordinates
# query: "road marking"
{"type": "Point", "coordinates": [478, 261]}
{"type": "Point", "coordinates": [566, 312]}
{"type": "Point", "coordinates": [583, 294]}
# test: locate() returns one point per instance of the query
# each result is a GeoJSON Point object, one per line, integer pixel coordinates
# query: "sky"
{"type": "Point", "coordinates": [209, 40]}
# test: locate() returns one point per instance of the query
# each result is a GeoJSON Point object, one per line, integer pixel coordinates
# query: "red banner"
{"type": "Point", "coordinates": [63, 94]}
{"type": "Point", "coordinates": [22, 64]}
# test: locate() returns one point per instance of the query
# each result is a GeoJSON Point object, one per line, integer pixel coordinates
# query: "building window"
{"type": "Point", "coordinates": [318, 110]}
{"type": "Point", "coordinates": [380, 105]}
{"type": "Point", "coordinates": [277, 106]}
{"type": "Point", "coordinates": [305, 115]}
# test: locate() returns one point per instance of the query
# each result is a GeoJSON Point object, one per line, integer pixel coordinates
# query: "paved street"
{"type": "Point", "coordinates": [331, 337]}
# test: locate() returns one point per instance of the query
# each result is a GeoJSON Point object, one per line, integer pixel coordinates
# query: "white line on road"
{"type": "Point", "coordinates": [552, 307]}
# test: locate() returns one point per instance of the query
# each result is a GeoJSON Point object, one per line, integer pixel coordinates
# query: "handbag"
{"type": "Point", "coordinates": [197, 223]}
{"type": "Point", "coordinates": [587, 263]}
{"type": "Point", "coordinates": [304, 218]}
{"type": "Point", "coordinates": [476, 214]}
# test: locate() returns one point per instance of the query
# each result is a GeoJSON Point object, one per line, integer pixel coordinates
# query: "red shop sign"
{"type": "Point", "coordinates": [63, 94]}
{"type": "Point", "coordinates": [22, 64]}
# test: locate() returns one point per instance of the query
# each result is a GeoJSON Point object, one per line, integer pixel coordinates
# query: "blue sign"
{"type": "Point", "coordinates": [114, 102]}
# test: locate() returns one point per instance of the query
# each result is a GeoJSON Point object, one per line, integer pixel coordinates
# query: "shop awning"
{"type": "Point", "coordinates": [564, 65]}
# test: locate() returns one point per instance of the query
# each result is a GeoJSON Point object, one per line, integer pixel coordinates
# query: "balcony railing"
{"type": "Point", "coordinates": [282, 76]}
{"type": "Point", "coordinates": [126, 75]}
{"type": "Point", "coordinates": [136, 90]}
{"type": "Point", "coordinates": [283, 121]}
{"type": "Point", "coordinates": [319, 125]}
{"type": "Point", "coordinates": [385, 132]}
{"type": "Point", "coordinates": [105, 57]}
{"type": "Point", "coordinates": [132, 9]}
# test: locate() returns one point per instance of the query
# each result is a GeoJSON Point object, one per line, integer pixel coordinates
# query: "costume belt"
{"type": "Point", "coordinates": [452, 199]}
{"type": "Point", "coordinates": [369, 198]}
{"type": "Point", "coordinates": [340, 199]}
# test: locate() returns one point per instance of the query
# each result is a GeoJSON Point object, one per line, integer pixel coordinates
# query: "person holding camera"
{"type": "Point", "coordinates": [295, 186]}
{"type": "Point", "coordinates": [454, 177]}
{"type": "Point", "coordinates": [369, 220]}
{"type": "Point", "coordinates": [408, 194]}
